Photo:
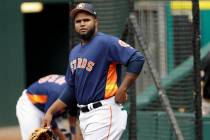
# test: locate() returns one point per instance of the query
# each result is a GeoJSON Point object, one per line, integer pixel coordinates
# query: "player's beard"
{"type": "Point", "coordinates": [88, 35]}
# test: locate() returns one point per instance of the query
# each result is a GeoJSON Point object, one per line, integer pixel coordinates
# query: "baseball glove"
{"type": "Point", "coordinates": [41, 134]}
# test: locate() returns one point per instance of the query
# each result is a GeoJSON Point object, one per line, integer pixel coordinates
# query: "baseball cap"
{"type": "Point", "coordinates": [86, 7]}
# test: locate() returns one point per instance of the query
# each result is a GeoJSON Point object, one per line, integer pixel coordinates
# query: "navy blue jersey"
{"type": "Point", "coordinates": [95, 68]}
{"type": "Point", "coordinates": [44, 92]}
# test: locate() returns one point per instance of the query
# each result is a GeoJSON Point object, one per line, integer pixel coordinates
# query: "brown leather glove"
{"type": "Point", "coordinates": [41, 134]}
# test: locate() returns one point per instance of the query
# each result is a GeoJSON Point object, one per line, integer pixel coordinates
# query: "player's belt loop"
{"type": "Point", "coordinates": [90, 106]}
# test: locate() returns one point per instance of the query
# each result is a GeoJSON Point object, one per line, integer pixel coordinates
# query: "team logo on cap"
{"type": "Point", "coordinates": [81, 5]}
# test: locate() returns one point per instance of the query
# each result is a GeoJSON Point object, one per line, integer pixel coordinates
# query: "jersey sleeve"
{"type": "Point", "coordinates": [68, 94]}
{"type": "Point", "coordinates": [119, 51]}
{"type": "Point", "coordinates": [135, 65]}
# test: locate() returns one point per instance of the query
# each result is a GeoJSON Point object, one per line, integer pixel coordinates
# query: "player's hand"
{"type": "Point", "coordinates": [47, 120]}
{"type": "Point", "coordinates": [121, 96]}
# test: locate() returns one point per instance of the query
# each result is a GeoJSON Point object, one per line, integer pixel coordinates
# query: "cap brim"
{"type": "Point", "coordinates": [75, 11]}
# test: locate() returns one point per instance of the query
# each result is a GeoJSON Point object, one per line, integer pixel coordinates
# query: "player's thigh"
{"type": "Point", "coordinates": [106, 122]}
{"type": "Point", "coordinates": [119, 122]}
{"type": "Point", "coordinates": [119, 119]}
{"type": "Point", "coordinates": [101, 133]}
{"type": "Point", "coordinates": [96, 123]}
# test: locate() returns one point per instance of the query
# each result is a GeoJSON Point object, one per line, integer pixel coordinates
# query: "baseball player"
{"type": "Point", "coordinates": [93, 78]}
{"type": "Point", "coordinates": [34, 102]}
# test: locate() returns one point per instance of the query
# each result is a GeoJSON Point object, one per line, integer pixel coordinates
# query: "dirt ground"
{"type": "Point", "coordinates": [13, 133]}
{"type": "Point", "coordinates": [10, 133]}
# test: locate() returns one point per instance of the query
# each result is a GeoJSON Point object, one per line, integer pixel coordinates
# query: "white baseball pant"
{"type": "Point", "coordinates": [107, 122]}
{"type": "Point", "coordinates": [29, 117]}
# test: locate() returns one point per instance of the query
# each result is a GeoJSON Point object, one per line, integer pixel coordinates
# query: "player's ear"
{"type": "Point", "coordinates": [96, 22]}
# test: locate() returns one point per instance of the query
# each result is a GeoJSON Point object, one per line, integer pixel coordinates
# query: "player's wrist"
{"type": "Point", "coordinates": [73, 130]}
{"type": "Point", "coordinates": [123, 88]}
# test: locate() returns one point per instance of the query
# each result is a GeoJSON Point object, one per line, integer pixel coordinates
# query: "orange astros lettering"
{"type": "Point", "coordinates": [81, 63]}
{"type": "Point", "coordinates": [84, 63]}
{"type": "Point", "coordinates": [90, 66]}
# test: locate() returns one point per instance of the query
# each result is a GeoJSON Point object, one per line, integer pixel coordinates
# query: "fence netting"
{"type": "Point", "coordinates": [167, 29]}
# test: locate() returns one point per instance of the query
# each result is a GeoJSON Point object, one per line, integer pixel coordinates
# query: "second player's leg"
{"type": "Point", "coordinates": [29, 117]}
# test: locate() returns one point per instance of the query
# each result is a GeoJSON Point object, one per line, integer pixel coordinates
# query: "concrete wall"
{"type": "Point", "coordinates": [11, 59]}
{"type": "Point", "coordinates": [12, 63]}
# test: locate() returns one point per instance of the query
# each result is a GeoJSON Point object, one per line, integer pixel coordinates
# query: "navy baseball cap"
{"type": "Point", "coordinates": [86, 7]}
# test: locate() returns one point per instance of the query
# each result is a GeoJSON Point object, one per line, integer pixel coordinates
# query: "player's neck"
{"type": "Point", "coordinates": [86, 41]}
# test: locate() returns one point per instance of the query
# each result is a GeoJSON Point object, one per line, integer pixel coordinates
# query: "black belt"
{"type": "Point", "coordinates": [95, 105]}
